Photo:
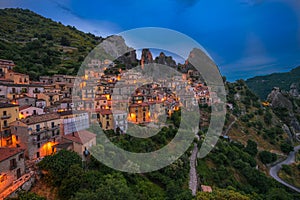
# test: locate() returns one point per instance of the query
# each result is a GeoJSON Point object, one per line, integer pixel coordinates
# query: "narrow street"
{"type": "Point", "coordinates": [193, 184]}
{"type": "Point", "coordinates": [289, 160]}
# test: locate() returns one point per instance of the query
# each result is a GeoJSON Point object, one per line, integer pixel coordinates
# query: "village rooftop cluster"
{"type": "Point", "coordinates": [39, 118]}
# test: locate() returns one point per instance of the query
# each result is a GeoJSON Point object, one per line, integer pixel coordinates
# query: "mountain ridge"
{"type": "Point", "coordinates": [263, 85]}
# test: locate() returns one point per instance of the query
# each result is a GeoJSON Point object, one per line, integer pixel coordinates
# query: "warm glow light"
{"type": "Point", "coordinates": [107, 97]}
{"type": "Point", "coordinates": [47, 148]}
{"type": "Point", "coordinates": [21, 116]}
{"type": "Point", "coordinates": [14, 140]}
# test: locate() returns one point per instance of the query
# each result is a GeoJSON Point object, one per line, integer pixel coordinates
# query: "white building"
{"type": "Point", "coordinates": [26, 111]}
{"type": "Point", "coordinates": [120, 121]}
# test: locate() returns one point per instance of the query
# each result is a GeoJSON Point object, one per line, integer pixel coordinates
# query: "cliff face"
{"type": "Point", "coordinates": [294, 91]}
{"type": "Point", "coordinates": [165, 60]}
{"type": "Point", "coordinates": [146, 57]}
{"type": "Point", "coordinates": [286, 106]}
{"type": "Point", "coordinates": [278, 100]}
{"type": "Point", "coordinates": [129, 59]}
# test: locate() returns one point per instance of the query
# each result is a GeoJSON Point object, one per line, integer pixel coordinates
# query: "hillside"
{"type": "Point", "coordinates": [40, 46]}
{"type": "Point", "coordinates": [262, 85]}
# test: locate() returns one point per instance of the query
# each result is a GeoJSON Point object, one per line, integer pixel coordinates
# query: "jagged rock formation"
{"type": "Point", "coordinates": [294, 90]}
{"type": "Point", "coordinates": [277, 99]}
{"type": "Point", "coordinates": [146, 57]}
{"type": "Point", "coordinates": [114, 46]}
{"type": "Point", "coordinates": [165, 60]}
{"type": "Point", "coordinates": [129, 59]}
{"type": "Point", "coordinates": [285, 107]}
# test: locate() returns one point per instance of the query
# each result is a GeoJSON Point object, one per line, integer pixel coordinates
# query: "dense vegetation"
{"type": "Point", "coordinates": [40, 46]}
{"type": "Point", "coordinates": [231, 166]}
{"type": "Point", "coordinates": [262, 85]}
{"type": "Point", "coordinates": [291, 173]}
{"type": "Point", "coordinates": [254, 121]}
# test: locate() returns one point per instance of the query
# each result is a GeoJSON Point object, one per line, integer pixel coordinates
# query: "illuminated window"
{"type": "Point", "coordinates": [3, 177]}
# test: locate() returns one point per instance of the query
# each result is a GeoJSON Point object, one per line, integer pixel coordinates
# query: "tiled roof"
{"type": "Point", "coordinates": [100, 98]}
{"type": "Point", "coordinates": [7, 105]}
{"type": "Point", "coordinates": [6, 153]}
{"type": "Point", "coordinates": [70, 112]}
{"type": "Point", "coordinates": [40, 118]}
{"type": "Point", "coordinates": [105, 112]}
{"type": "Point", "coordinates": [144, 104]}
{"type": "Point", "coordinates": [206, 188]}
{"type": "Point", "coordinates": [80, 137]}
{"type": "Point", "coordinates": [24, 107]}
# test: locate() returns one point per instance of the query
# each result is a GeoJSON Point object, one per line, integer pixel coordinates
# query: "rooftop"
{"type": "Point", "coordinates": [80, 137]}
{"type": "Point", "coordinates": [206, 188]}
{"type": "Point", "coordinates": [105, 112]}
{"type": "Point", "coordinates": [7, 105]}
{"type": "Point", "coordinates": [34, 119]}
{"type": "Point", "coordinates": [6, 153]}
{"type": "Point", "coordinates": [71, 112]}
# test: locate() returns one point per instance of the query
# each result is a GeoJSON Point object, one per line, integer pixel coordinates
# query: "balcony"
{"type": "Point", "coordinates": [12, 167]}
{"type": "Point", "coordinates": [6, 116]}
{"type": "Point", "coordinates": [38, 131]}
{"type": "Point", "coordinates": [43, 139]}
{"type": "Point", "coordinates": [53, 128]}
{"type": "Point", "coordinates": [5, 126]}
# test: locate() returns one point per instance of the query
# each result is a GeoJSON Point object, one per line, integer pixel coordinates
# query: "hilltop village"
{"type": "Point", "coordinates": [39, 118]}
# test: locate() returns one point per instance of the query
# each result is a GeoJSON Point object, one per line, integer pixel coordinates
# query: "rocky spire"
{"type": "Point", "coordinates": [165, 60]}
{"type": "Point", "coordinates": [146, 57]}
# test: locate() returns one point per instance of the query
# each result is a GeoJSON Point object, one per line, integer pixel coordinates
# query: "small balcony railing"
{"type": "Point", "coordinates": [52, 128]}
{"type": "Point", "coordinates": [7, 116]}
{"type": "Point", "coordinates": [5, 126]}
{"type": "Point", "coordinates": [13, 167]}
{"type": "Point", "coordinates": [38, 131]}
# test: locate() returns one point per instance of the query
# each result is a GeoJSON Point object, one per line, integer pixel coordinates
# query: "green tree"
{"type": "Point", "coordinates": [251, 148]}
{"type": "Point", "coordinates": [287, 169]}
{"type": "Point", "coordinates": [268, 118]}
{"type": "Point", "coordinates": [114, 187]}
{"type": "Point", "coordinates": [267, 157]}
{"type": "Point", "coordinates": [64, 41]}
{"type": "Point", "coordinates": [286, 147]}
{"type": "Point", "coordinates": [278, 194]}
{"type": "Point", "coordinates": [57, 165]}
{"type": "Point", "coordinates": [29, 196]}
{"type": "Point", "coordinates": [221, 194]}
{"type": "Point", "coordinates": [72, 182]}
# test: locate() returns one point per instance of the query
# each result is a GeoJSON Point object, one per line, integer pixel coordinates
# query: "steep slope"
{"type": "Point", "coordinates": [40, 46]}
{"type": "Point", "coordinates": [262, 85]}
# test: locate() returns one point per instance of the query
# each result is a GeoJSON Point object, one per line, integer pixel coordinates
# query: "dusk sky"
{"type": "Point", "coordinates": [244, 37]}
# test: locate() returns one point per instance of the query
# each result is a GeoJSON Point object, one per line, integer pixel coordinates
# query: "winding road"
{"type": "Point", "coordinates": [275, 169]}
{"type": "Point", "coordinates": [193, 184]}
{"type": "Point", "coordinates": [229, 127]}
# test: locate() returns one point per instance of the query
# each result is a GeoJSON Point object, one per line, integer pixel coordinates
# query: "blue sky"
{"type": "Point", "coordinates": [244, 37]}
